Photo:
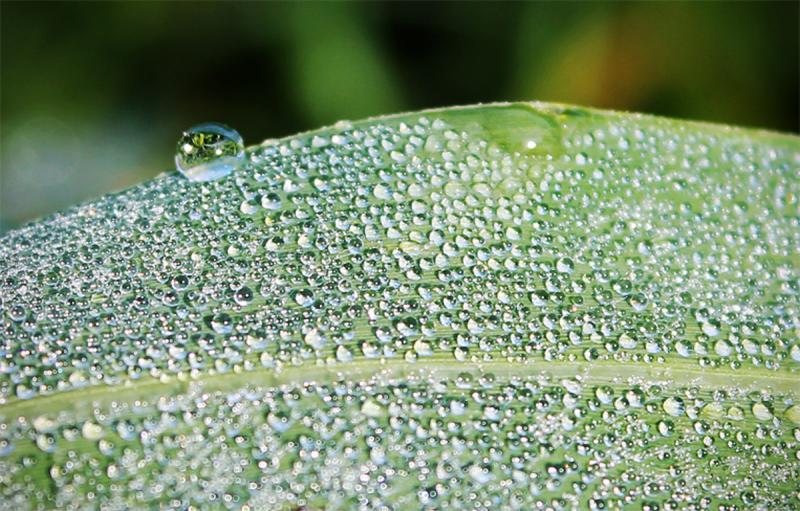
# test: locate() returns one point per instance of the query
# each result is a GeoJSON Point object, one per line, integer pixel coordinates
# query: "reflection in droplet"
{"type": "Point", "coordinates": [209, 151]}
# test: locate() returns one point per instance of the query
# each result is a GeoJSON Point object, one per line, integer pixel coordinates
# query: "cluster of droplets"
{"type": "Point", "coordinates": [412, 241]}
{"type": "Point", "coordinates": [614, 242]}
{"type": "Point", "coordinates": [471, 441]}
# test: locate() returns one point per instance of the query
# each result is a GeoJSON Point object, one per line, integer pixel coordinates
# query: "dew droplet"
{"type": "Point", "coordinates": [762, 412]}
{"type": "Point", "coordinates": [91, 431]}
{"type": "Point", "coordinates": [673, 406]}
{"type": "Point", "coordinates": [303, 297]}
{"type": "Point", "coordinates": [209, 151]}
{"type": "Point", "coordinates": [222, 323]}
{"type": "Point", "coordinates": [371, 409]}
{"type": "Point", "coordinates": [243, 296]}
{"type": "Point", "coordinates": [565, 265]}
{"type": "Point", "coordinates": [314, 339]}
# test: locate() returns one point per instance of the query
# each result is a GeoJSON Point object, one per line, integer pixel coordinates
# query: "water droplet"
{"type": "Point", "coordinates": [762, 412]}
{"type": "Point", "coordinates": [723, 348]}
{"type": "Point", "coordinates": [243, 296]}
{"type": "Point", "coordinates": [455, 190]}
{"type": "Point", "coordinates": [209, 151]}
{"type": "Point", "coordinates": [371, 409]}
{"type": "Point", "coordinates": [46, 442]}
{"type": "Point", "coordinates": [44, 424]}
{"type": "Point", "coordinates": [565, 265]}
{"type": "Point", "coordinates": [314, 339]}
{"type": "Point", "coordinates": [92, 431]}
{"type": "Point", "coordinates": [271, 201]}
{"type": "Point", "coordinates": [304, 297]}
{"type": "Point", "coordinates": [343, 354]}
{"type": "Point", "coordinates": [673, 406]}
{"type": "Point", "coordinates": [222, 323]}
{"type": "Point", "coordinates": [710, 328]}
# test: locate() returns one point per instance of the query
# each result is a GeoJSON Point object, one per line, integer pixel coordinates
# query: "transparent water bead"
{"type": "Point", "coordinates": [209, 151]}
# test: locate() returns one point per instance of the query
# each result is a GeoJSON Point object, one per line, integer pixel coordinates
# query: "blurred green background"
{"type": "Point", "coordinates": [94, 95]}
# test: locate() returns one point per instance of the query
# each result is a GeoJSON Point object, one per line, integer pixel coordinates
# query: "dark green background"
{"type": "Point", "coordinates": [94, 95]}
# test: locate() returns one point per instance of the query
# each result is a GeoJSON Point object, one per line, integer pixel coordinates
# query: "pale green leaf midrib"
{"type": "Point", "coordinates": [673, 371]}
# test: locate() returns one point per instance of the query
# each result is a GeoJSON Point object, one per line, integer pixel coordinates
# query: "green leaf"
{"type": "Point", "coordinates": [510, 306]}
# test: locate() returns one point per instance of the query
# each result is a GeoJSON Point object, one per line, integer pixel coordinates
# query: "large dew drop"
{"type": "Point", "coordinates": [209, 151]}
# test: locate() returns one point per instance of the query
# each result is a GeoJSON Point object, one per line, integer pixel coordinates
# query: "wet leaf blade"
{"type": "Point", "coordinates": [518, 304]}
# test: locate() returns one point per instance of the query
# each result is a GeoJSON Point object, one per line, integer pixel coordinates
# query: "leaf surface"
{"type": "Point", "coordinates": [508, 306]}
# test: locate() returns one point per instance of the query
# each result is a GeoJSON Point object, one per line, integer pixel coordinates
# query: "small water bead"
{"type": "Point", "coordinates": [638, 302]}
{"type": "Point", "coordinates": [343, 354]}
{"type": "Point", "coordinates": [723, 348]}
{"type": "Point", "coordinates": [222, 323]}
{"type": "Point", "coordinates": [455, 190]}
{"type": "Point", "coordinates": [565, 265]}
{"type": "Point", "coordinates": [711, 327]}
{"type": "Point", "coordinates": [209, 151]}
{"type": "Point", "coordinates": [762, 412]}
{"type": "Point", "coordinates": [735, 413]}
{"type": "Point", "coordinates": [179, 282]}
{"type": "Point", "coordinates": [46, 442]}
{"type": "Point", "coordinates": [248, 207]}
{"type": "Point", "coordinates": [314, 339]}
{"type": "Point", "coordinates": [627, 342]}
{"type": "Point", "coordinates": [243, 296]}
{"type": "Point", "coordinates": [6, 447]}
{"type": "Point", "coordinates": [683, 349]}
{"type": "Point", "coordinates": [17, 313]}
{"type": "Point", "coordinates": [673, 406]}
{"type": "Point", "coordinates": [623, 287]}
{"type": "Point", "coordinates": [92, 431]}
{"type": "Point", "coordinates": [44, 424]}
{"type": "Point", "coordinates": [382, 192]}
{"type": "Point", "coordinates": [303, 297]}
{"type": "Point", "coordinates": [271, 201]}
{"type": "Point", "coordinates": [372, 409]}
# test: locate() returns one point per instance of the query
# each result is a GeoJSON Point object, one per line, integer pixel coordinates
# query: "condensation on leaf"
{"type": "Point", "coordinates": [498, 307]}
